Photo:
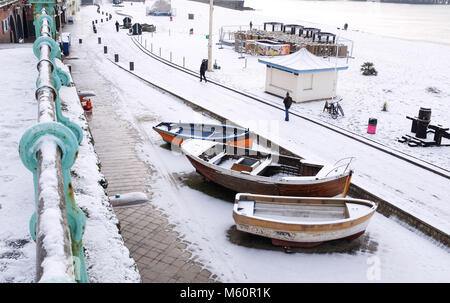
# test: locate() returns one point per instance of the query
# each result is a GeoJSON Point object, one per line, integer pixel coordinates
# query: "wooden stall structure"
{"type": "Point", "coordinates": [297, 37]}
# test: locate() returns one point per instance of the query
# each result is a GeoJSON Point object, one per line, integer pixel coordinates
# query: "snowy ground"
{"type": "Point", "coordinates": [107, 258]}
{"type": "Point", "coordinates": [389, 252]}
{"type": "Point", "coordinates": [406, 70]}
{"type": "Point", "coordinates": [17, 249]}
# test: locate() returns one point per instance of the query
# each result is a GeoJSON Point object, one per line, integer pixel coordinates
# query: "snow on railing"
{"type": "Point", "coordinates": [48, 150]}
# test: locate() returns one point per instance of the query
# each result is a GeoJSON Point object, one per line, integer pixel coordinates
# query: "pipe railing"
{"type": "Point", "coordinates": [48, 150]}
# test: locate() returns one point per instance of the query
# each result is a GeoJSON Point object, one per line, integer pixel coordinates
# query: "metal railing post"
{"type": "Point", "coordinates": [48, 150]}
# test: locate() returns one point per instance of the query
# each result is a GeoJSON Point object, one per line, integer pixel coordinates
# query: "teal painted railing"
{"type": "Point", "coordinates": [48, 150]}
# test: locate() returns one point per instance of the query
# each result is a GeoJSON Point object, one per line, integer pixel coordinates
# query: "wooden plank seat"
{"type": "Point", "coordinates": [217, 158]}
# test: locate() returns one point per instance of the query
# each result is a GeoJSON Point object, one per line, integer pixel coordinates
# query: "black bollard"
{"type": "Point", "coordinates": [80, 41]}
{"type": "Point", "coordinates": [96, 21]}
{"type": "Point", "coordinates": [235, 141]}
{"type": "Point", "coordinates": [116, 57]}
{"type": "Point", "coordinates": [224, 136]}
{"type": "Point", "coordinates": [99, 40]}
{"type": "Point", "coordinates": [105, 49]}
{"type": "Point", "coordinates": [93, 22]}
{"type": "Point", "coordinates": [131, 65]}
{"type": "Point", "coordinates": [101, 20]}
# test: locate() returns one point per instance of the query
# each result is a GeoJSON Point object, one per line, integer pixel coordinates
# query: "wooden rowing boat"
{"type": "Point", "coordinates": [300, 221]}
{"type": "Point", "coordinates": [176, 133]}
{"type": "Point", "coordinates": [247, 170]}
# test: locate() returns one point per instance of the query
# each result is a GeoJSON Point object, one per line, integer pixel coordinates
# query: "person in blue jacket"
{"type": "Point", "coordinates": [203, 68]}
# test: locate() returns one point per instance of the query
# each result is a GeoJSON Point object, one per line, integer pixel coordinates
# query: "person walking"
{"type": "Point", "coordinates": [203, 68]}
{"type": "Point", "coordinates": [117, 26]}
{"type": "Point", "coordinates": [251, 25]}
{"type": "Point", "coordinates": [287, 104]}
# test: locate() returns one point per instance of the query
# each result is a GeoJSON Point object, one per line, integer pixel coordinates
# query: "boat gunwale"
{"type": "Point", "coordinates": [338, 224]}
{"type": "Point", "coordinates": [294, 180]}
{"type": "Point", "coordinates": [182, 136]}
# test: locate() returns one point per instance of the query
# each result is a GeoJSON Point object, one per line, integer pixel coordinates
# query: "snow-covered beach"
{"type": "Point", "coordinates": [404, 255]}
{"type": "Point", "coordinates": [412, 74]}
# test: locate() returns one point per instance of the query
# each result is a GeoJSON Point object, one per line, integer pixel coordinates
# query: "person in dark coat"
{"type": "Point", "coordinates": [117, 25]}
{"type": "Point", "coordinates": [287, 104]}
{"type": "Point", "coordinates": [251, 25]}
{"type": "Point", "coordinates": [203, 69]}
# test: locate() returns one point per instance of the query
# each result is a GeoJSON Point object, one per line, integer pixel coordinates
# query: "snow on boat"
{"type": "Point", "coordinates": [300, 221]}
{"type": "Point", "coordinates": [247, 170]}
{"type": "Point", "coordinates": [176, 133]}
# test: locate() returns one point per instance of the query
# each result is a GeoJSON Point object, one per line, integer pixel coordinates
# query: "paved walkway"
{"type": "Point", "coordinates": [154, 245]}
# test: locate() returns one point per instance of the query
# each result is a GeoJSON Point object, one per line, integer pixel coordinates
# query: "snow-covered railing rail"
{"type": "Point", "coordinates": [48, 150]}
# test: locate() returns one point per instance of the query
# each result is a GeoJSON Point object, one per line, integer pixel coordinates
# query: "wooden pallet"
{"type": "Point", "coordinates": [413, 141]}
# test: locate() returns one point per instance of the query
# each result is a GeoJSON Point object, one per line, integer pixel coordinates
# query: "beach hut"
{"type": "Point", "coordinates": [306, 76]}
{"type": "Point", "coordinates": [276, 26]}
{"type": "Point", "coordinates": [127, 22]}
{"type": "Point", "coordinates": [160, 8]}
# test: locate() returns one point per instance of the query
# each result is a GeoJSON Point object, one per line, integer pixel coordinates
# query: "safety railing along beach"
{"type": "Point", "coordinates": [49, 149]}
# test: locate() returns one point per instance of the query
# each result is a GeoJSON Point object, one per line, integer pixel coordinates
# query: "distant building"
{"type": "Point", "coordinates": [16, 17]}
{"type": "Point", "coordinates": [160, 8]}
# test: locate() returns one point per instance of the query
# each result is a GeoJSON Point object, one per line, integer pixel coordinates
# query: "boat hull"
{"type": "Point", "coordinates": [284, 243]}
{"type": "Point", "coordinates": [285, 237]}
{"type": "Point", "coordinates": [325, 188]}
